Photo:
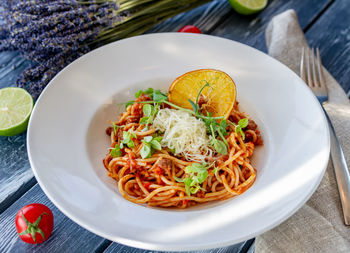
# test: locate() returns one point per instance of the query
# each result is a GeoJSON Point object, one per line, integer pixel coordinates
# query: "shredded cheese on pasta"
{"type": "Point", "coordinates": [184, 133]}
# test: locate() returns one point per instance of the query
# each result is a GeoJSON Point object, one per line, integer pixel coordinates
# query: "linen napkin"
{"type": "Point", "coordinates": [318, 225]}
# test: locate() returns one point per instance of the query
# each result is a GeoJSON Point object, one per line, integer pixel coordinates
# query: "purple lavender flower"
{"type": "Point", "coordinates": [51, 33]}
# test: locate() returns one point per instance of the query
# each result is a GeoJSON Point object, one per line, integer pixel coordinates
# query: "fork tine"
{"type": "Point", "coordinates": [313, 65]}
{"type": "Point", "coordinates": [320, 69]}
{"type": "Point", "coordinates": [302, 65]}
{"type": "Point", "coordinates": [308, 68]}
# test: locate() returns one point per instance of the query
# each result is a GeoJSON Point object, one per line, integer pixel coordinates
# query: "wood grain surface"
{"type": "Point", "coordinates": [331, 33]}
{"type": "Point", "coordinates": [67, 236]}
{"type": "Point", "coordinates": [327, 25]}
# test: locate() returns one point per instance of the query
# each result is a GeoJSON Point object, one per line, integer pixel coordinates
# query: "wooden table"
{"type": "Point", "coordinates": [326, 24]}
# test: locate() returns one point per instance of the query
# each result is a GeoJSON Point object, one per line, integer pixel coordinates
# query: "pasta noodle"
{"type": "Point", "coordinates": [158, 180]}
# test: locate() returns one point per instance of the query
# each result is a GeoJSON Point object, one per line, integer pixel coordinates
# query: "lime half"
{"type": "Point", "coordinates": [247, 7]}
{"type": "Point", "coordinates": [16, 105]}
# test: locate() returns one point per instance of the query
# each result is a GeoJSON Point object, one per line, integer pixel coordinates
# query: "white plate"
{"type": "Point", "coordinates": [67, 142]}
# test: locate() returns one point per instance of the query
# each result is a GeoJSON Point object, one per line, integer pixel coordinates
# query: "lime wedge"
{"type": "Point", "coordinates": [16, 105]}
{"type": "Point", "coordinates": [247, 7]}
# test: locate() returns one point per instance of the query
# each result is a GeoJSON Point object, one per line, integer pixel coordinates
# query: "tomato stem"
{"type": "Point", "coordinates": [33, 228]}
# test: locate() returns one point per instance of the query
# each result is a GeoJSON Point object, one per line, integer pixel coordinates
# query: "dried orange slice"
{"type": "Point", "coordinates": [218, 98]}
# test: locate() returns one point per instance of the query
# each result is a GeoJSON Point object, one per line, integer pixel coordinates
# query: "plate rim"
{"type": "Point", "coordinates": [172, 247]}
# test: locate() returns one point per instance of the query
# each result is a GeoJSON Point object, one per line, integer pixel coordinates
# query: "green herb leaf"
{"type": "Point", "coordinates": [116, 152]}
{"type": "Point", "coordinates": [115, 127]}
{"type": "Point", "coordinates": [144, 120]}
{"type": "Point", "coordinates": [156, 145]}
{"type": "Point", "coordinates": [242, 133]}
{"type": "Point", "coordinates": [126, 135]}
{"type": "Point", "coordinates": [147, 110]}
{"type": "Point", "coordinates": [158, 138]}
{"type": "Point", "coordinates": [196, 168]}
{"type": "Point", "coordinates": [187, 181]}
{"type": "Point", "coordinates": [138, 93]}
{"type": "Point", "coordinates": [149, 145]}
{"type": "Point", "coordinates": [149, 91]}
{"type": "Point", "coordinates": [127, 138]}
{"type": "Point", "coordinates": [200, 91]}
{"type": "Point", "coordinates": [222, 137]}
{"type": "Point", "coordinates": [194, 106]}
{"type": "Point", "coordinates": [198, 174]}
{"type": "Point", "coordinates": [202, 176]}
{"type": "Point", "coordinates": [145, 151]}
{"type": "Point", "coordinates": [158, 96]}
{"type": "Point", "coordinates": [194, 190]}
{"type": "Point", "coordinates": [243, 123]}
{"type": "Point", "coordinates": [220, 147]}
{"type": "Point", "coordinates": [130, 144]}
{"type": "Point", "coordinates": [147, 139]}
{"type": "Point", "coordinates": [215, 170]}
{"type": "Point", "coordinates": [223, 126]}
{"type": "Point", "coordinates": [239, 130]}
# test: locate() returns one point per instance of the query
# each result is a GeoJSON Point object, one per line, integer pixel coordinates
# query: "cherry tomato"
{"type": "Point", "coordinates": [189, 29]}
{"type": "Point", "coordinates": [34, 223]}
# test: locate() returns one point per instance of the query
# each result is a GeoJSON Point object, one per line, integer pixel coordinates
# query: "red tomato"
{"type": "Point", "coordinates": [34, 223]}
{"type": "Point", "coordinates": [189, 29]}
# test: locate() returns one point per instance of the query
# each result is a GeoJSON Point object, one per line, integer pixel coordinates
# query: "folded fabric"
{"type": "Point", "coordinates": [318, 225]}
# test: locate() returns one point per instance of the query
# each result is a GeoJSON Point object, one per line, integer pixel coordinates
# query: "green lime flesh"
{"type": "Point", "coordinates": [16, 105]}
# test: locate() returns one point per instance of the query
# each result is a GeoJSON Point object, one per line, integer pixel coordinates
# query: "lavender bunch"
{"type": "Point", "coordinates": [53, 33]}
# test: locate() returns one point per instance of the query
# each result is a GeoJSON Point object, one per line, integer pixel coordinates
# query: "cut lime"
{"type": "Point", "coordinates": [16, 105]}
{"type": "Point", "coordinates": [247, 7]}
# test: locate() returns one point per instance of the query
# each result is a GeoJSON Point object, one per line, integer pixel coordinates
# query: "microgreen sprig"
{"type": "Point", "coordinates": [213, 127]}
{"type": "Point", "coordinates": [150, 144]}
{"type": "Point", "coordinates": [179, 108]}
{"type": "Point", "coordinates": [149, 112]}
{"type": "Point", "coordinates": [195, 106]}
{"type": "Point", "coordinates": [115, 127]}
{"type": "Point", "coordinates": [149, 92]}
{"type": "Point", "coordinates": [215, 170]}
{"type": "Point", "coordinates": [219, 146]}
{"type": "Point", "coordinates": [197, 174]}
{"type": "Point", "coordinates": [116, 151]}
{"type": "Point", "coordinates": [128, 139]}
{"type": "Point", "coordinates": [242, 123]}
{"type": "Point", "coordinates": [158, 97]}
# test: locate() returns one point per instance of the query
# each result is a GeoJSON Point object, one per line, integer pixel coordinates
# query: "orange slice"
{"type": "Point", "coordinates": [219, 97]}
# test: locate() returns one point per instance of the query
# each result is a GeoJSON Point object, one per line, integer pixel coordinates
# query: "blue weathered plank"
{"type": "Point", "coordinates": [66, 237]}
{"type": "Point", "coordinates": [16, 176]}
{"type": "Point", "coordinates": [70, 237]}
{"type": "Point", "coordinates": [250, 29]}
{"type": "Point", "coordinates": [331, 33]}
{"type": "Point", "coordinates": [205, 17]}
{"type": "Point", "coordinates": [14, 168]}
{"type": "Point", "coordinates": [11, 65]}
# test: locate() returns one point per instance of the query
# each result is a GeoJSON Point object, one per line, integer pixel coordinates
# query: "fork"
{"type": "Point", "coordinates": [311, 73]}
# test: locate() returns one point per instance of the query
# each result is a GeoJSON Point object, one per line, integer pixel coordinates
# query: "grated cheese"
{"type": "Point", "coordinates": [184, 133]}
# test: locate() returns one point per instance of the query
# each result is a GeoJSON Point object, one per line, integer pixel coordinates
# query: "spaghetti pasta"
{"type": "Point", "coordinates": [164, 179]}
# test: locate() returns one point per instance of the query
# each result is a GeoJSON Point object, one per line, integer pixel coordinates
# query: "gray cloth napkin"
{"type": "Point", "coordinates": [318, 225]}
